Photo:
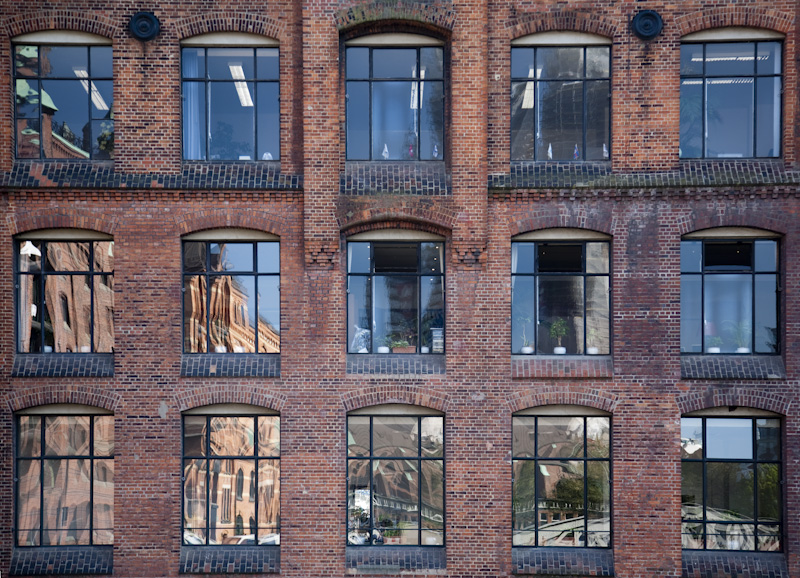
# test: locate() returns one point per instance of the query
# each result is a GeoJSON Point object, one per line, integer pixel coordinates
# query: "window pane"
{"type": "Point", "coordinates": [691, 139]}
{"type": "Point", "coordinates": [358, 435]}
{"type": "Point", "coordinates": [524, 503]}
{"type": "Point", "coordinates": [104, 256]}
{"type": "Point", "coordinates": [103, 499]}
{"type": "Point", "coordinates": [27, 100]}
{"type": "Point", "coordinates": [431, 121]}
{"type": "Point", "coordinates": [394, 120]}
{"type": "Point", "coordinates": [28, 138]}
{"type": "Point", "coordinates": [729, 58]}
{"type": "Point", "coordinates": [598, 333]}
{"type": "Point", "coordinates": [230, 63]}
{"type": "Point", "coordinates": [598, 437]}
{"type": "Point", "coordinates": [691, 437]}
{"type": "Point", "coordinates": [193, 62]}
{"type": "Point", "coordinates": [357, 62]}
{"type": "Point", "coordinates": [104, 314]}
{"type": "Point", "coordinates": [768, 57]}
{"type": "Point", "coordinates": [395, 497]}
{"type": "Point", "coordinates": [766, 333]}
{"type": "Point", "coordinates": [29, 324]}
{"type": "Point", "coordinates": [358, 300]}
{"type": "Point", "coordinates": [194, 497]}
{"type": "Point", "coordinates": [598, 503]}
{"type": "Point", "coordinates": [267, 65]}
{"type": "Point", "coordinates": [728, 302]}
{"type": "Point", "coordinates": [395, 436]}
{"type": "Point", "coordinates": [691, 256]}
{"type": "Point", "coordinates": [561, 437]}
{"type": "Point", "coordinates": [269, 257]}
{"type": "Point", "coordinates": [768, 117]}
{"type": "Point", "coordinates": [194, 314]}
{"type": "Point", "coordinates": [768, 439]}
{"type": "Point", "coordinates": [769, 493]}
{"type": "Point", "coordinates": [558, 258]}
{"type": "Point", "coordinates": [68, 311]}
{"type": "Point", "coordinates": [693, 536]}
{"type": "Point", "coordinates": [730, 537]}
{"type": "Point", "coordinates": [522, 120]}
{"type": "Point", "coordinates": [194, 257]}
{"type": "Point", "coordinates": [432, 313]}
{"type": "Point", "coordinates": [769, 538]}
{"type": "Point", "coordinates": [431, 257]}
{"type": "Point", "coordinates": [67, 139]}
{"type": "Point", "coordinates": [67, 257]}
{"type": "Point", "coordinates": [598, 62]}
{"type": "Point", "coordinates": [394, 63]}
{"type": "Point", "coordinates": [194, 435]}
{"type": "Point", "coordinates": [691, 59]}
{"type": "Point", "coordinates": [395, 311]}
{"type": "Point", "coordinates": [598, 120]}
{"type": "Point", "coordinates": [269, 436]}
{"type": "Point", "coordinates": [432, 437]}
{"type": "Point", "coordinates": [231, 328]}
{"type": "Point", "coordinates": [232, 436]}
{"type": "Point", "coordinates": [62, 61]}
{"type": "Point", "coordinates": [432, 490]}
{"type": "Point", "coordinates": [522, 257]}
{"type": "Point", "coordinates": [194, 120]}
{"type": "Point", "coordinates": [729, 489]}
{"type": "Point", "coordinates": [559, 62]}
{"type": "Point", "coordinates": [728, 255]}
{"type": "Point", "coordinates": [269, 315]}
{"type": "Point", "coordinates": [66, 491]}
{"type": "Point", "coordinates": [103, 435]}
{"type": "Point", "coordinates": [29, 436]}
{"type": "Point", "coordinates": [560, 319]}
{"type": "Point", "coordinates": [102, 97]}
{"type": "Point", "coordinates": [268, 118]}
{"type": "Point", "coordinates": [729, 117]}
{"type": "Point", "coordinates": [560, 115]}
{"type": "Point", "coordinates": [358, 501]}
{"type": "Point", "coordinates": [231, 120]}
{"type": "Point", "coordinates": [28, 501]}
{"type": "Point", "coordinates": [26, 60]}
{"type": "Point", "coordinates": [522, 63]}
{"type": "Point", "coordinates": [358, 258]}
{"type": "Point", "coordinates": [729, 438]}
{"type": "Point", "coordinates": [766, 256]}
{"type": "Point", "coordinates": [560, 494]}
{"type": "Point", "coordinates": [432, 60]}
{"type": "Point", "coordinates": [692, 490]}
{"type": "Point", "coordinates": [67, 435]}
{"type": "Point", "coordinates": [691, 317]}
{"type": "Point", "coordinates": [358, 119]}
{"type": "Point", "coordinates": [524, 432]}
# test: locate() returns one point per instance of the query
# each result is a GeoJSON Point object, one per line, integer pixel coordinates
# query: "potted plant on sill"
{"type": "Point", "coordinates": [558, 330]}
{"type": "Point", "coordinates": [713, 344]}
{"type": "Point", "coordinates": [741, 333]}
{"type": "Point", "coordinates": [525, 320]}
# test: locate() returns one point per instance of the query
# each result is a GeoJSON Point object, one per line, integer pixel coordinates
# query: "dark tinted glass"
{"type": "Point", "coordinates": [560, 258]}
{"type": "Point", "coordinates": [395, 258]}
{"type": "Point", "coordinates": [728, 256]}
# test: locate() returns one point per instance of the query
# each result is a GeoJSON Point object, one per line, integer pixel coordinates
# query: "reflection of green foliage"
{"type": "Point", "coordinates": [769, 507]}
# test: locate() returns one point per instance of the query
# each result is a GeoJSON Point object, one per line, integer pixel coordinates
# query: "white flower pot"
{"type": "Point", "coordinates": [424, 349]}
{"type": "Point", "coordinates": [527, 350]}
{"type": "Point", "coordinates": [592, 350]}
{"type": "Point", "coordinates": [560, 350]}
{"type": "Point", "coordinates": [713, 350]}
{"type": "Point", "coordinates": [742, 350]}
{"type": "Point", "coordinates": [383, 349]}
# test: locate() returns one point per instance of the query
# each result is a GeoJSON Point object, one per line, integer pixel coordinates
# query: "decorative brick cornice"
{"type": "Point", "coordinates": [78, 20]}
{"type": "Point", "coordinates": [59, 393]}
{"type": "Point", "coordinates": [225, 392]}
{"type": "Point", "coordinates": [469, 254]}
{"type": "Point", "coordinates": [722, 396]}
{"type": "Point", "coordinates": [523, 399]}
{"type": "Point", "coordinates": [598, 219]}
{"type": "Point", "coordinates": [439, 15]}
{"type": "Point", "coordinates": [538, 21]}
{"type": "Point", "coordinates": [229, 21]}
{"type": "Point", "coordinates": [733, 15]}
{"type": "Point", "coordinates": [62, 218]}
{"type": "Point", "coordinates": [405, 394]}
{"type": "Point", "coordinates": [230, 218]}
{"type": "Point", "coordinates": [321, 255]}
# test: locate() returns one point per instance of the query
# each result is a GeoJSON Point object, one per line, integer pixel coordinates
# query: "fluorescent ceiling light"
{"type": "Point", "coordinates": [237, 73]}
{"type": "Point", "coordinates": [91, 89]}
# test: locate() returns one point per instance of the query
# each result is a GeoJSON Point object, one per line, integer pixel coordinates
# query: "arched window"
{"type": "Point", "coordinates": [239, 484]}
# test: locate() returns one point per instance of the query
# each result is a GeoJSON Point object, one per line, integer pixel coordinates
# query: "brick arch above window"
{"type": "Point", "coordinates": [726, 16]}
{"type": "Point", "coordinates": [527, 399]}
{"type": "Point", "coordinates": [750, 397]}
{"type": "Point", "coordinates": [567, 21]}
{"type": "Point", "coordinates": [400, 228]}
{"type": "Point", "coordinates": [230, 219]}
{"type": "Point", "coordinates": [54, 21]}
{"type": "Point", "coordinates": [59, 394]}
{"type": "Point", "coordinates": [61, 219]}
{"type": "Point", "coordinates": [599, 220]}
{"type": "Point", "coordinates": [229, 394]}
{"type": "Point", "coordinates": [395, 394]}
{"type": "Point", "coordinates": [375, 16]}
{"type": "Point", "coordinates": [229, 21]}
{"type": "Point", "coordinates": [720, 215]}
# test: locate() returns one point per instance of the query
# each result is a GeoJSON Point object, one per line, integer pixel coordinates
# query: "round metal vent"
{"type": "Point", "coordinates": [144, 26]}
{"type": "Point", "coordinates": [647, 24]}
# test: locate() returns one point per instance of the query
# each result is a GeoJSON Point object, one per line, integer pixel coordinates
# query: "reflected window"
{"type": "Point", "coordinates": [561, 481]}
{"type": "Point", "coordinates": [64, 102]}
{"type": "Point", "coordinates": [560, 298]}
{"type": "Point", "coordinates": [395, 297]}
{"type": "Point", "coordinates": [230, 104]}
{"type": "Point", "coordinates": [65, 480]}
{"type": "Point", "coordinates": [731, 476]}
{"type": "Point", "coordinates": [560, 103]}
{"type": "Point", "coordinates": [395, 487]}
{"type": "Point", "coordinates": [65, 296]}
{"type": "Point", "coordinates": [395, 103]}
{"type": "Point", "coordinates": [231, 297]}
{"type": "Point", "coordinates": [219, 451]}
{"type": "Point", "coordinates": [731, 100]}
{"type": "Point", "coordinates": [729, 296]}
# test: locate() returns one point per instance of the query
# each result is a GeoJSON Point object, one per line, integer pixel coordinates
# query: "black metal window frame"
{"type": "Point", "coordinates": [210, 274]}
{"type": "Point", "coordinates": [44, 273]}
{"type": "Point", "coordinates": [584, 80]}
{"type": "Point", "coordinates": [207, 82]}
{"type": "Point", "coordinates": [585, 459]}
{"type": "Point", "coordinates": [42, 458]}
{"type": "Point", "coordinates": [419, 458]}
{"type": "Point", "coordinates": [753, 274]}
{"type": "Point", "coordinates": [583, 274]}
{"type": "Point", "coordinates": [38, 81]}
{"type": "Point", "coordinates": [703, 78]}
{"type": "Point", "coordinates": [372, 80]}
{"type": "Point", "coordinates": [755, 462]}
{"type": "Point", "coordinates": [209, 458]}
{"type": "Point", "coordinates": [419, 274]}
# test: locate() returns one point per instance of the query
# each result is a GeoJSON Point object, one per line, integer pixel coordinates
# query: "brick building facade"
{"type": "Point", "coordinates": [649, 363]}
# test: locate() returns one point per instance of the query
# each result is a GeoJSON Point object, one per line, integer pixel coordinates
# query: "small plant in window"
{"type": "Point", "coordinates": [713, 344]}
{"type": "Point", "coordinates": [558, 330]}
{"type": "Point", "coordinates": [740, 333]}
{"type": "Point", "coordinates": [527, 347]}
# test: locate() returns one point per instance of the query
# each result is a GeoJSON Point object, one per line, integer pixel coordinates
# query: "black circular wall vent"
{"type": "Point", "coordinates": [647, 24]}
{"type": "Point", "coordinates": [144, 26]}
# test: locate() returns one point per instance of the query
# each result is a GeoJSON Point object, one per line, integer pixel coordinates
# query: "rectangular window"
{"type": "Point", "coordinates": [64, 102]}
{"type": "Point", "coordinates": [561, 481]}
{"type": "Point", "coordinates": [395, 297]}
{"type": "Point", "coordinates": [731, 484]}
{"type": "Point", "coordinates": [729, 296]}
{"type": "Point", "coordinates": [219, 452]}
{"type": "Point", "coordinates": [731, 100]}
{"type": "Point", "coordinates": [560, 300]}
{"type": "Point", "coordinates": [395, 103]}
{"type": "Point", "coordinates": [231, 297]}
{"type": "Point", "coordinates": [65, 296]}
{"type": "Point", "coordinates": [231, 108]}
{"type": "Point", "coordinates": [560, 103]}
{"type": "Point", "coordinates": [395, 480]}
{"type": "Point", "coordinates": [65, 480]}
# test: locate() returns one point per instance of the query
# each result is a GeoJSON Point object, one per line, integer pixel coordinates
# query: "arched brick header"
{"type": "Point", "coordinates": [227, 218]}
{"type": "Point", "coordinates": [229, 21]}
{"type": "Point", "coordinates": [59, 219]}
{"type": "Point", "coordinates": [520, 400]}
{"type": "Point", "coordinates": [94, 22]}
{"type": "Point", "coordinates": [733, 15]}
{"type": "Point", "coordinates": [397, 225]}
{"type": "Point", "coordinates": [50, 394]}
{"type": "Point", "coordinates": [433, 16]}
{"type": "Point", "coordinates": [713, 214]}
{"type": "Point", "coordinates": [410, 395]}
{"type": "Point", "coordinates": [533, 22]}
{"type": "Point", "coordinates": [593, 218]}
{"type": "Point", "coordinates": [228, 393]}
{"type": "Point", "coordinates": [437, 220]}
{"type": "Point", "coordinates": [732, 396]}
